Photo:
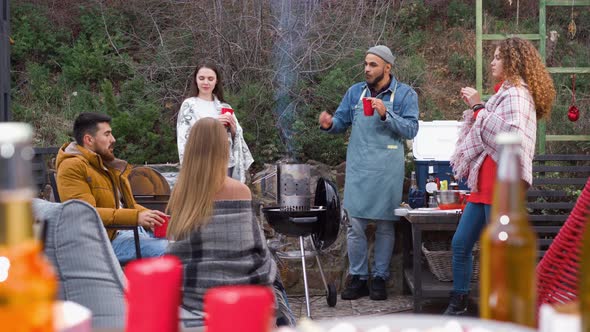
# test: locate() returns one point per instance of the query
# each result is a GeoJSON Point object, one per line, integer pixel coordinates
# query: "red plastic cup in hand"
{"type": "Point", "coordinates": [251, 306]}
{"type": "Point", "coordinates": [368, 107]}
{"type": "Point", "coordinates": [227, 110]}
{"type": "Point", "coordinates": [160, 231]}
{"type": "Point", "coordinates": [153, 294]}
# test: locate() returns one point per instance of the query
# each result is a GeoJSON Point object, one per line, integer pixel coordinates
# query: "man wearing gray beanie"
{"type": "Point", "coordinates": [383, 113]}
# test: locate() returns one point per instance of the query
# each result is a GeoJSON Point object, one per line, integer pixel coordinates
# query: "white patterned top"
{"type": "Point", "coordinates": [192, 110]}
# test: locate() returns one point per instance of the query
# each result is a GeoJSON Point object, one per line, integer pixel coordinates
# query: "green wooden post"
{"type": "Point", "coordinates": [542, 136]}
{"type": "Point", "coordinates": [478, 46]}
{"type": "Point", "coordinates": [542, 126]}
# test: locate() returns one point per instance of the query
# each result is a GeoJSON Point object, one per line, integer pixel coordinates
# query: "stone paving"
{"type": "Point", "coordinates": [361, 307]}
{"type": "Point", "coordinates": [366, 307]}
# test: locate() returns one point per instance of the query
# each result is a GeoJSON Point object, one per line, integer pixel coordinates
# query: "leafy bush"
{"type": "Point", "coordinates": [138, 125]}
{"type": "Point", "coordinates": [253, 106]}
{"type": "Point", "coordinates": [34, 37]}
{"type": "Point", "coordinates": [462, 66]}
{"type": "Point", "coordinates": [460, 14]}
{"type": "Point", "coordinates": [411, 70]}
{"type": "Point", "coordinates": [413, 16]}
{"type": "Point", "coordinates": [93, 55]}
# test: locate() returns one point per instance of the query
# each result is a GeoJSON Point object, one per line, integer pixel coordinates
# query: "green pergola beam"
{"type": "Point", "coordinates": [541, 37]}
{"type": "Point", "coordinates": [502, 36]}
{"type": "Point", "coordinates": [568, 2]}
{"type": "Point", "coordinates": [569, 70]}
{"type": "Point", "coordinates": [563, 138]}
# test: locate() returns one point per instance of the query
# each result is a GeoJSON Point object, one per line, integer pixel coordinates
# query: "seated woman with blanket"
{"type": "Point", "coordinates": [213, 229]}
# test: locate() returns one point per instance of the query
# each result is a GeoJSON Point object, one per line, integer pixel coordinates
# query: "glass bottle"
{"type": "Point", "coordinates": [27, 282]}
{"type": "Point", "coordinates": [584, 280]}
{"type": "Point", "coordinates": [415, 195]}
{"type": "Point", "coordinates": [508, 245]}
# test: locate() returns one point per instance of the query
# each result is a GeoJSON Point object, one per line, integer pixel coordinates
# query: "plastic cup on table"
{"type": "Point", "coordinates": [368, 107]}
{"type": "Point", "coordinates": [249, 307]}
{"type": "Point", "coordinates": [153, 294]}
{"type": "Point", "coordinates": [160, 231]}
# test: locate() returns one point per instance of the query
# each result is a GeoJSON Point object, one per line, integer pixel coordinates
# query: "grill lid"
{"type": "Point", "coordinates": [326, 194]}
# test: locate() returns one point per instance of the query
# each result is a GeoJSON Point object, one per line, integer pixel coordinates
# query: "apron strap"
{"type": "Point", "coordinates": [391, 98]}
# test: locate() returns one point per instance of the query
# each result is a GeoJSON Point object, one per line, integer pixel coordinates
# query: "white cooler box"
{"type": "Point", "coordinates": [432, 148]}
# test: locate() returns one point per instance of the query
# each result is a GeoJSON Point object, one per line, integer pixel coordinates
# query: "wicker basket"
{"type": "Point", "coordinates": [440, 259]}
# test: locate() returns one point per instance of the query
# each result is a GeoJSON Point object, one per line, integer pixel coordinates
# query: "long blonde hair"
{"type": "Point", "coordinates": [203, 172]}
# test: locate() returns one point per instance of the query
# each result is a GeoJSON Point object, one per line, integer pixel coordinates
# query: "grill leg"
{"type": "Point", "coordinates": [304, 276]}
{"type": "Point", "coordinates": [317, 257]}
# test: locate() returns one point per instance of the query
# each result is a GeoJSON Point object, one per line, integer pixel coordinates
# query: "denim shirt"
{"type": "Point", "coordinates": [402, 119]}
{"type": "Point", "coordinates": [375, 154]}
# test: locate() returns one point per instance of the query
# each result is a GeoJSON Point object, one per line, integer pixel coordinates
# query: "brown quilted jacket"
{"type": "Point", "coordinates": [81, 174]}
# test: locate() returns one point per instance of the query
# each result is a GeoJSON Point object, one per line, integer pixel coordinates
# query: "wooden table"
{"type": "Point", "coordinates": [418, 279]}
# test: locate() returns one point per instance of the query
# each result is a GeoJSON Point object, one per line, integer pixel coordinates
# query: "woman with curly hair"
{"type": "Point", "coordinates": [525, 93]}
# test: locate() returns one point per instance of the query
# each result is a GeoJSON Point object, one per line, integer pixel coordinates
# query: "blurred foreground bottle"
{"type": "Point", "coordinates": [27, 281]}
{"type": "Point", "coordinates": [584, 279]}
{"type": "Point", "coordinates": [508, 245]}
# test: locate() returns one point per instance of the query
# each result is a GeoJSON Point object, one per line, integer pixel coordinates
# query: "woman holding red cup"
{"type": "Point", "coordinates": [206, 101]}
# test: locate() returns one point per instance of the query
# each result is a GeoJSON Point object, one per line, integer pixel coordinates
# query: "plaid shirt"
{"type": "Point", "coordinates": [511, 109]}
{"type": "Point", "coordinates": [229, 250]}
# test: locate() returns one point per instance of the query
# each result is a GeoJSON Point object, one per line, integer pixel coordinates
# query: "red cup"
{"type": "Point", "coordinates": [227, 110]}
{"type": "Point", "coordinates": [250, 305]}
{"type": "Point", "coordinates": [153, 294]}
{"type": "Point", "coordinates": [367, 107]}
{"type": "Point", "coordinates": [160, 231]}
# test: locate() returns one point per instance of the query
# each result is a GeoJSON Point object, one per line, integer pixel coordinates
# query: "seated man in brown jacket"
{"type": "Point", "coordinates": [88, 170]}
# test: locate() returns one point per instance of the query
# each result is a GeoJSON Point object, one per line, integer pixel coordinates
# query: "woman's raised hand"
{"type": "Point", "coordinates": [470, 96]}
{"type": "Point", "coordinates": [228, 120]}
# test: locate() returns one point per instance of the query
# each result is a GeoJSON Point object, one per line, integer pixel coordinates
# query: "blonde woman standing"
{"type": "Point", "coordinates": [206, 101]}
{"type": "Point", "coordinates": [213, 229]}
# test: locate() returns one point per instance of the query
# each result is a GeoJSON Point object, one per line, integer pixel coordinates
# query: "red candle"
{"type": "Point", "coordinates": [153, 294]}
{"type": "Point", "coordinates": [244, 308]}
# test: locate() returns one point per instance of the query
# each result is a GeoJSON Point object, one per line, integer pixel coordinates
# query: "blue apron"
{"type": "Point", "coordinates": [374, 166]}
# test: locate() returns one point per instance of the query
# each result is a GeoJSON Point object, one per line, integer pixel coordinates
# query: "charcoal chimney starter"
{"type": "Point", "coordinates": [294, 187]}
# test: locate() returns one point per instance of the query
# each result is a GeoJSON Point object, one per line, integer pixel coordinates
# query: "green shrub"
{"type": "Point", "coordinates": [253, 105]}
{"type": "Point", "coordinates": [416, 41]}
{"type": "Point", "coordinates": [93, 55]}
{"type": "Point", "coordinates": [429, 110]}
{"type": "Point", "coordinates": [144, 134]}
{"type": "Point", "coordinates": [411, 70]}
{"type": "Point", "coordinates": [413, 16]}
{"type": "Point", "coordinates": [460, 14]}
{"type": "Point", "coordinates": [43, 86]}
{"type": "Point", "coordinates": [462, 66]}
{"type": "Point", "coordinates": [35, 39]}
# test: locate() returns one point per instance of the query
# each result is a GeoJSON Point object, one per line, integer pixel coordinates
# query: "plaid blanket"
{"type": "Point", "coordinates": [511, 109]}
{"type": "Point", "coordinates": [229, 250]}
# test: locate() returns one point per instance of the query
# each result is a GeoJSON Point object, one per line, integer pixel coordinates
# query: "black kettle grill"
{"type": "Point", "coordinates": [295, 217]}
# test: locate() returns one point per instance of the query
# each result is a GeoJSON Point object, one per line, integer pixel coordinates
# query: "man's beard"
{"type": "Point", "coordinates": [376, 80]}
{"type": "Point", "coordinates": [106, 154]}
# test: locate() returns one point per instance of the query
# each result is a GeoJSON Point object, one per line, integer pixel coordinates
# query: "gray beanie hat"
{"type": "Point", "coordinates": [383, 52]}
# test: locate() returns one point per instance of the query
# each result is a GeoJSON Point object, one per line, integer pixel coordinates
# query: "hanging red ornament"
{"type": "Point", "coordinates": [573, 113]}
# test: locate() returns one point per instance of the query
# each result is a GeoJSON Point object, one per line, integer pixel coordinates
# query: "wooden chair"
{"type": "Point", "coordinates": [42, 167]}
